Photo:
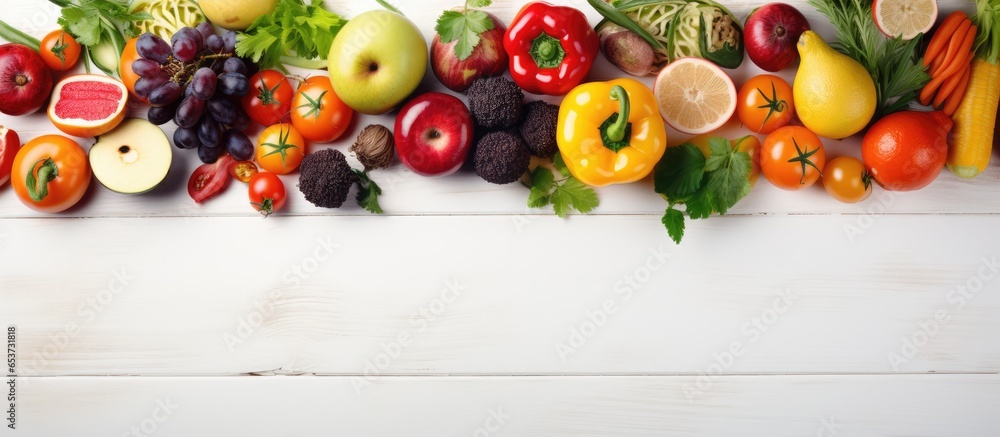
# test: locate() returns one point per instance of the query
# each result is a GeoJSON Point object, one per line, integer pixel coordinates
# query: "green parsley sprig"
{"type": "Point", "coordinates": [368, 192]}
{"type": "Point", "coordinates": [295, 33]}
{"type": "Point", "coordinates": [565, 195]}
{"type": "Point", "coordinates": [96, 23]}
{"type": "Point", "coordinates": [465, 26]}
{"type": "Point", "coordinates": [703, 185]}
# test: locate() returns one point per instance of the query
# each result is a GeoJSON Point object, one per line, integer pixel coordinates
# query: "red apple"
{"type": "Point", "coordinates": [770, 35]}
{"type": "Point", "coordinates": [25, 80]}
{"type": "Point", "coordinates": [487, 59]}
{"type": "Point", "coordinates": [433, 134]}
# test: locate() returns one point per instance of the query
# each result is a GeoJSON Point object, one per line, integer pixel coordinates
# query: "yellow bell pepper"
{"type": "Point", "coordinates": [601, 148]}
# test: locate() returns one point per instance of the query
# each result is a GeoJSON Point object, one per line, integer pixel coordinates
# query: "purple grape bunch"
{"type": "Point", "coordinates": [196, 81]}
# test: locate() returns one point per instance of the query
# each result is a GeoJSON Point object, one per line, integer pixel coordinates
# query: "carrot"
{"type": "Point", "coordinates": [948, 86]}
{"type": "Point", "coordinates": [956, 97]}
{"type": "Point", "coordinates": [947, 70]}
{"type": "Point", "coordinates": [943, 35]}
{"type": "Point", "coordinates": [953, 45]}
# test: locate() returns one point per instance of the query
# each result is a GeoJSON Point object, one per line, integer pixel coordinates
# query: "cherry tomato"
{"type": "Point", "coordinates": [210, 179]}
{"type": "Point", "coordinates": [792, 157]}
{"type": "Point", "coordinates": [9, 145]}
{"type": "Point", "coordinates": [764, 103]}
{"type": "Point", "coordinates": [280, 148]}
{"type": "Point", "coordinates": [50, 173]}
{"type": "Point", "coordinates": [846, 179]}
{"type": "Point", "coordinates": [270, 98]}
{"type": "Point", "coordinates": [243, 170]}
{"type": "Point", "coordinates": [129, 78]}
{"type": "Point", "coordinates": [318, 113]}
{"type": "Point", "coordinates": [59, 50]}
{"type": "Point", "coordinates": [267, 193]}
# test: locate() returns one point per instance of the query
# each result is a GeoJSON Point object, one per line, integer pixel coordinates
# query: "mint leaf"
{"type": "Point", "coordinates": [673, 220]}
{"type": "Point", "coordinates": [541, 187]}
{"type": "Point", "coordinates": [729, 182]}
{"type": "Point", "coordinates": [368, 192]}
{"type": "Point", "coordinates": [464, 27]}
{"type": "Point", "coordinates": [680, 171]}
{"type": "Point", "coordinates": [478, 3]}
{"type": "Point", "coordinates": [701, 203]}
{"type": "Point", "coordinates": [720, 149]}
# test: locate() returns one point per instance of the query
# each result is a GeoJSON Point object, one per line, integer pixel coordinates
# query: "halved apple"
{"type": "Point", "coordinates": [133, 158]}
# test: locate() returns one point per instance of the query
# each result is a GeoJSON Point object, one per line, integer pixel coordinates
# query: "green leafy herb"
{"type": "Point", "coordinates": [565, 195]}
{"type": "Point", "coordinates": [96, 22]}
{"type": "Point", "coordinates": [893, 64]}
{"type": "Point", "coordinates": [368, 192]}
{"type": "Point", "coordinates": [465, 26]}
{"type": "Point", "coordinates": [685, 176]}
{"type": "Point", "coordinates": [295, 33]}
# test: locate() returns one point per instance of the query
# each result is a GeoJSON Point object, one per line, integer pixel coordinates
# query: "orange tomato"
{"type": "Point", "coordinates": [845, 179]}
{"type": "Point", "coordinates": [51, 173]}
{"type": "Point", "coordinates": [792, 158]}
{"type": "Point", "coordinates": [317, 111]}
{"type": "Point", "coordinates": [125, 68]}
{"type": "Point", "coordinates": [764, 103]}
{"type": "Point", "coordinates": [280, 148]}
{"type": "Point", "coordinates": [59, 50]}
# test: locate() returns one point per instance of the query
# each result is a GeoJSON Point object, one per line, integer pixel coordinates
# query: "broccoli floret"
{"type": "Point", "coordinates": [495, 102]}
{"type": "Point", "coordinates": [539, 128]}
{"type": "Point", "coordinates": [501, 157]}
{"type": "Point", "coordinates": [325, 178]}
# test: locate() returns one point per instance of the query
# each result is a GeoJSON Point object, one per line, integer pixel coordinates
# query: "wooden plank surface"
{"type": "Point", "coordinates": [501, 295]}
{"type": "Point", "coordinates": [777, 406]}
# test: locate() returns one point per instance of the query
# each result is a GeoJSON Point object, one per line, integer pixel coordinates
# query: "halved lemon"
{"type": "Point", "coordinates": [904, 18]}
{"type": "Point", "coordinates": [695, 96]}
{"type": "Point", "coordinates": [88, 105]}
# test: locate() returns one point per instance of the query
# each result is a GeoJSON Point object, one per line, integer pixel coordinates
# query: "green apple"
{"type": "Point", "coordinates": [377, 59]}
{"type": "Point", "coordinates": [133, 158]}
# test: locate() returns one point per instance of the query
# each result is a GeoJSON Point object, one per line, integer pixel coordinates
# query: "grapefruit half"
{"type": "Point", "coordinates": [88, 105]}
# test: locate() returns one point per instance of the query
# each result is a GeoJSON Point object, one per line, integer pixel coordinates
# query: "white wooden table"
{"type": "Point", "coordinates": [462, 312]}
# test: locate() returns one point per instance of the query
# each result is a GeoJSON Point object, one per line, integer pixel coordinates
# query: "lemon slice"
{"type": "Point", "coordinates": [904, 18]}
{"type": "Point", "coordinates": [695, 96]}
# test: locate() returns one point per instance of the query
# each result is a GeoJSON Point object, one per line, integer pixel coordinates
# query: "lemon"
{"type": "Point", "coordinates": [834, 95]}
{"type": "Point", "coordinates": [236, 14]}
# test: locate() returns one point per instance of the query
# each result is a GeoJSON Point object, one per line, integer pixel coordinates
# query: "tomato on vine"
{"type": "Point", "coordinates": [317, 111]}
{"type": "Point", "coordinates": [280, 148]}
{"type": "Point", "coordinates": [764, 103]}
{"type": "Point", "coordinates": [59, 50]}
{"type": "Point", "coordinates": [846, 179]}
{"type": "Point", "coordinates": [792, 158]}
{"type": "Point", "coordinates": [270, 98]}
{"type": "Point", "coordinates": [267, 193]}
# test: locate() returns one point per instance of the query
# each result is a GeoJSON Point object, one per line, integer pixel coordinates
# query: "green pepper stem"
{"type": "Point", "coordinates": [616, 132]}
{"type": "Point", "coordinates": [38, 186]}
{"type": "Point", "coordinates": [547, 51]}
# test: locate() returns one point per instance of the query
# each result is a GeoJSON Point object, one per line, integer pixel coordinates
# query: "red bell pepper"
{"type": "Point", "coordinates": [551, 48]}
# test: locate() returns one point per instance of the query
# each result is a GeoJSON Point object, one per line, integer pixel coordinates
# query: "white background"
{"type": "Point", "coordinates": [462, 312]}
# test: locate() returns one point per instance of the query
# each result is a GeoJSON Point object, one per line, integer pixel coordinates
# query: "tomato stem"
{"type": "Point", "coordinates": [773, 104]}
{"type": "Point", "coordinates": [803, 158]}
